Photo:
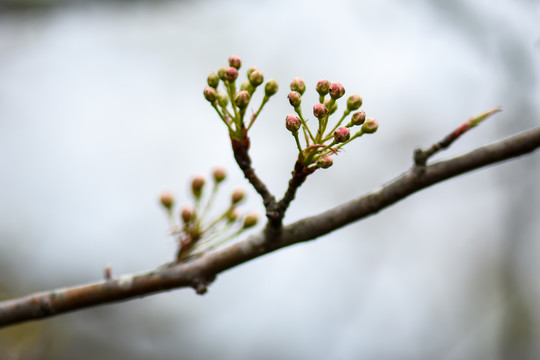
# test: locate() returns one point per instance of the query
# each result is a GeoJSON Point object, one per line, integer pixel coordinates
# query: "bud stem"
{"type": "Point", "coordinates": [210, 201]}
{"type": "Point", "coordinates": [254, 116]}
{"type": "Point", "coordinates": [231, 91]}
{"type": "Point", "coordinates": [218, 219]}
{"type": "Point", "coordinates": [322, 128]}
{"type": "Point", "coordinates": [171, 219]}
{"type": "Point", "coordinates": [222, 116]}
{"type": "Point", "coordinates": [209, 244]}
{"type": "Point", "coordinates": [322, 152]}
{"type": "Point", "coordinates": [295, 134]}
{"type": "Point", "coordinates": [307, 133]}
{"type": "Point", "coordinates": [242, 114]}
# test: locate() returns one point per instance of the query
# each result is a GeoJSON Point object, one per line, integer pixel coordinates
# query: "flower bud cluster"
{"type": "Point", "coordinates": [239, 98]}
{"type": "Point", "coordinates": [317, 144]}
{"type": "Point", "coordinates": [197, 228]}
{"type": "Point", "coordinates": [324, 142]}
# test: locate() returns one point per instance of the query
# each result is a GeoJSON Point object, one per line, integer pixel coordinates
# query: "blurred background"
{"type": "Point", "coordinates": [101, 109]}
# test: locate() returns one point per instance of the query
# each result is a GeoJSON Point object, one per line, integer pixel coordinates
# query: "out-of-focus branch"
{"type": "Point", "coordinates": [199, 273]}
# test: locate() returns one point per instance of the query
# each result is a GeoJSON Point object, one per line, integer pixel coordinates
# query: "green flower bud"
{"type": "Point", "coordinates": [358, 117]}
{"type": "Point", "coordinates": [233, 214]}
{"type": "Point", "coordinates": [325, 162]}
{"type": "Point", "coordinates": [271, 88]}
{"type": "Point", "coordinates": [292, 123]}
{"type": "Point", "coordinates": [320, 111]}
{"type": "Point", "coordinates": [250, 220]}
{"type": "Point", "coordinates": [197, 185]}
{"type": "Point", "coordinates": [242, 99]}
{"type": "Point", "coordinates": [256, 78]}
{"type": "Point", "coordinates": [235, 62]}
{"type": "Point", "coordinates": [237, 196]}
{"type": "Point", "coordinates": [295, 98]}
{"type": "Point", "coordinates": [246, 86]}
{"type": "Point", "coordinates": [210, 94]}
{"type": "Point", "coordinates": [323, 87]}
{"type": "Point", "coordinates": [370, 126]}
{"type": "Point", "coordinates": [223, 99]}
{"type": "Point", "coordinates": [167, 200]}
{"type": "Point", "coordinates": [334, 106]}
{"type": "Point", "coordinates": [213, 80]}
{"type": "Point", "coordinates": [222, 72]}
{"type": "Point", "coordinates": [336, 90]}
{"type": "Point", "coordinates": [354, 102]}
{"type": "Point", "coordinates": [219, 174]}
{"type": "Point", "coordinates": [342, 134]}
{"type": "Point", "coordinates": [298, 85]}
{"type": "Point", "coordinates": [250, 70]}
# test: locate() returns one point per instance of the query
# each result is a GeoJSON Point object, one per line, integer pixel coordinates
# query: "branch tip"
{"type": "Point", "coordinates": [421, 156]}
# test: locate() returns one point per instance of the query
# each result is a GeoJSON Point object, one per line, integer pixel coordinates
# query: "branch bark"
{"type": "Point", "coordinates": [199, 273]}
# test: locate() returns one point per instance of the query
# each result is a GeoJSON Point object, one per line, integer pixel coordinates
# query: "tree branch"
{"type": "Point", "coordinates": [199, 273]}
{"type": "Point", "coordinates": [241, 155]}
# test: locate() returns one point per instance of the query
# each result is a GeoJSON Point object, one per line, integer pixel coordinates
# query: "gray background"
{"type": "Point", "coordinates": [101, 108]}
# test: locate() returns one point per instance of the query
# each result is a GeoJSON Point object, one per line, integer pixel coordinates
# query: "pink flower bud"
{"type": "Point", "coordinates": [167, 200]}
{"type": "Point", "coordinates": [210, 94]}
{"type": "Point", "coordinates": [323, 87]}
{"type": "Point", "coordinates": [235, 62]}
{"type": "Point", "coordinates": [336, 90]}
{"type": "Point", "coordinates": [354, 102]}
{"type": "Point", "coordinates": [219, 174]}
{"type": "Point", "coordinates": [298, 85]}
{"type": "Point", "coordinates": [187, 214]}
{"type": "Point", "coordinates": [213, 80]}
{"type": "Point", "coordinates": [256, 77]}
{"type": "Point", "coordinates": [250, 220]}
{"type": "Point", "coordinates": [238, 195]}
{"type": "Point", "coordinates": [342, 134]}
{"type": "Point", "coordinates": [197, 185]}
{"type": "Point", "coordinates": [231, 74]}
{"type": "Point", "coordinates": [320, 111]}
{"type": "Point", "coordinates": [250, 70]}
{"type": "Point", "coordinates": [358, 117]}
{"type": "Point", "coordinates": [242, 99]}
{"type": "Point", "coordinates": [295, 98]}
{"type": "Point", "coordinates": [271, 88]}
{"type": "Point", "coordinates": [370, 126]}
{"type": "Point", "coordinates": [292, 123]}
{"type": "Point", "coordinates": [325, 162]}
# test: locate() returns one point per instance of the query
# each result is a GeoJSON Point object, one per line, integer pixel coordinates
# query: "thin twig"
{"type": "Point", "coordinates": [241, 155]}
{"type": "Point", "coordinates": [422, 156]}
